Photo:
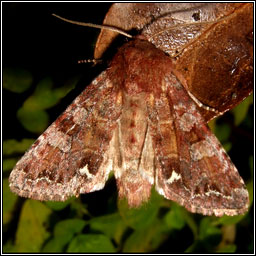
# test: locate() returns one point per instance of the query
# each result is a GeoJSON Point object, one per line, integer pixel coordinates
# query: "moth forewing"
{"type": "Point", "coordinates": [137, 120]}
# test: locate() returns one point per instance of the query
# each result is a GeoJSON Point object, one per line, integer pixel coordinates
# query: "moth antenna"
{"type": "Point", "coordinates": [94, 25]}
{"type": "Point", "coordinates": [94, 61]}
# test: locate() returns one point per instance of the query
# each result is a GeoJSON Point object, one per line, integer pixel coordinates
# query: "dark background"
{"type": "Point", "coordinates": [35, 40]}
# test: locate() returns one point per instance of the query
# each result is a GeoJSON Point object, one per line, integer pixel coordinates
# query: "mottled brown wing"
{"type": "Point", "coordinates": [72, 156]}
{"type": "Point", "coordinates": [191, 166]}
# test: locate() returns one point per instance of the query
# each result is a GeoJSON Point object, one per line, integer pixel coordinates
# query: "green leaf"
{"type": "Point", "coordinates": [32, 114]}
{"type": "Point", "coordinates": [175, 218]}
{"type": "Point", "coordinates": [77, 206]}
{"type": "Point", "coordinates": [16, 80]}
{"type": "Point", "coordinates": [35, 121]}
{"type": "Point", "coordinates": [67, 87]}
{"type": "Point", "coordinates": [146, 240]}
{"type": "Point", "coordinates": [16, 147]}
{"type": "Point", "coordinates": [207, 231]}
{"type": "Point", "coordinates": [189, 218]}
{"type": "Point", "coordinates": [9, 163]}
{"type": "Point", "coordinates": [9, 201]}
{"type": "Point", "coordinates": [143, 216]}
{"type": "Point", "coordinates": [240, 111]}
{"type": "Point", "coordinates": [222, 132]}
{"type": "Point", "coordinates": [250, 188]}
{"type": "Point", "coordinates": [250, 185]}
{"type": "Point", "coordinates": [209, 235]}
{"type": "Point", "coordinates": [42, 98]}
{"type": "Point", "coordinates": [45, 97]}
{"type": "Point", "coordinates": [111, 225]}
{"type": "Point", "coordinates": [231, 248]}
{"type": "Point", "coordinates": [54, 245]}
{"type": "Point", "coordinates": [67, 228]}
{"type": "Point", "coordinates": [9, 247]}
{"type": "Point", "coordinates": [212, 124]}
{"type": "Point", "coordinates": [91, 243]}
{"type": "Point", "coordinates": [58, 206]}
{"type": "Point", "coordinates": [32, 229]}
{"type": "Point", "coordinates": [227, 146]}
{"type": "Point", "coordinates": [44, 86]}
{"type": "Point", "coordinates": [64, 231]}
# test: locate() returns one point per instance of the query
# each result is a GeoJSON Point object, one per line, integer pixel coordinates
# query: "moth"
{"type": "Point", "coordinates": [137, 120]}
